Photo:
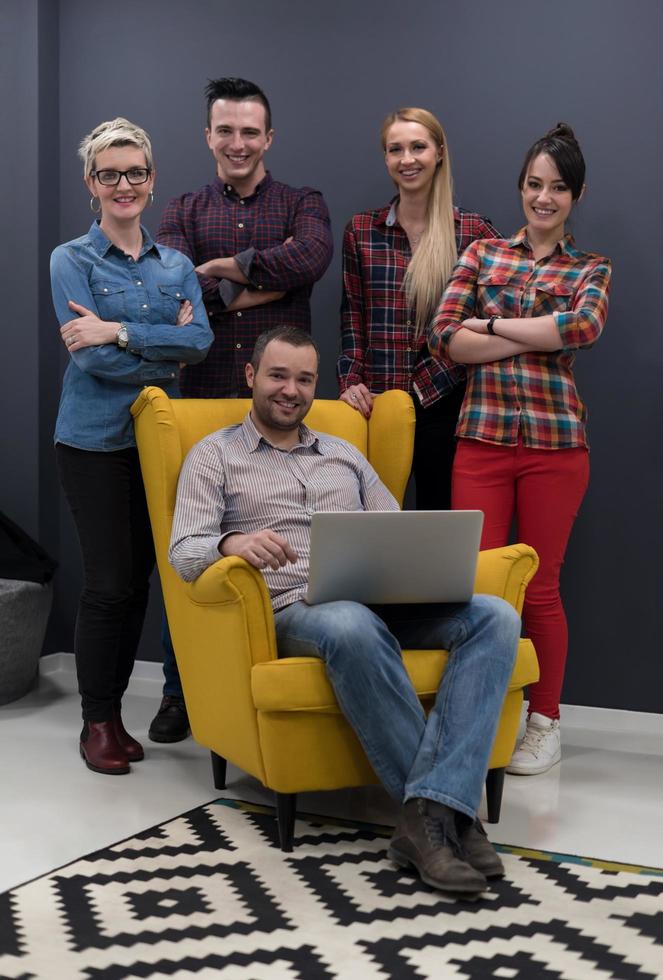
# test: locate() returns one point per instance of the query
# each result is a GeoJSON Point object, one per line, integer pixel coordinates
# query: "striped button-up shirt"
{"type": "Point", "coordinates": [215, 222]}
{"type": "Point", "coordinates": [234, 480]}
{"type": "Point", "coordinates": [533, 395]}
{"type": "Point", "coordinates": [378, 346]}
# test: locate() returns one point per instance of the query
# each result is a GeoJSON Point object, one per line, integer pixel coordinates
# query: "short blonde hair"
{"type": "Point", "coordinates": [116, 132]}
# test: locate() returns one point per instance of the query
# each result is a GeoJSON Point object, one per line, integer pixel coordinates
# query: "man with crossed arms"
{"type": "Point", "coordinates": [272, 464]}
{"type": "Point", "coordinates": [258, 246]}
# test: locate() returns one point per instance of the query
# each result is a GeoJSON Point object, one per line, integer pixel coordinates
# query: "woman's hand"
{"type": "Point", "coordinates": [475, 324]}
{"type": "Point", "coordinates": [87, 330]}
{"type": "Point", "coordinates": [184, 314]}
{"type": "Point", "coordinates": [359, 397]}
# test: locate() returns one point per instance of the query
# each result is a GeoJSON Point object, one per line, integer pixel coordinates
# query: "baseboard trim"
{"type": "Point", "coordinates": [611, 720]}
{"type": "Point", "coordinates": [572, 715]}
{"type": "Point", "coordinates": [144, 670]}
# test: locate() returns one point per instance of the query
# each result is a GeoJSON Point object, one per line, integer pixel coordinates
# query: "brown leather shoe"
{"type": "Point", "coordinates": [479, 852]}
{"type": "Point", "coordinates": [101, 750]}
{"type": "Point", "coordinates": [426, 838]}
{"type": "Point", "coordinates": [132, 747]}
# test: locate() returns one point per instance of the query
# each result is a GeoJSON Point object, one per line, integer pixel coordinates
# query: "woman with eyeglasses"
{"type": "Point", "coordinates": [130, 313]}
{"type": "Point", "coordinates": [396, 262]}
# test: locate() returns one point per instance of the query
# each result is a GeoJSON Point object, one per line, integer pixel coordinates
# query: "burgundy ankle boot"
{"type": "Point", "coordinates": [131, 746]}
{"type": "Point", "coordinates": [101, 750]}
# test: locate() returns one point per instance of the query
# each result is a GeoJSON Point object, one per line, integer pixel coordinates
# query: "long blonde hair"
{"type": "Point", "coordinates": [432, 263]}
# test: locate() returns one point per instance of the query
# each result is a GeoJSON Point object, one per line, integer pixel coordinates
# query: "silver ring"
{"type": "Point", "coordinates": [69, 341]}
{"type": "Point", "coordinates": [353, 397]}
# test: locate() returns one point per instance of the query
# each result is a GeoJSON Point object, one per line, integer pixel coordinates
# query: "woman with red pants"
{"type": "Point", "coordinates": [515, 312]}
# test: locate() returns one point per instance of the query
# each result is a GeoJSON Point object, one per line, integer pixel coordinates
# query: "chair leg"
{"type": "Point", "coordinates": [285, 815]}
{"type": "Point", "coordinates": [218, 771]}
{"type": "Point", "coordinates": [494, 787]}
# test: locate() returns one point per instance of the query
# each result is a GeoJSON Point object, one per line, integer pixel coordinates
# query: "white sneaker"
{"type": "Point", "coordinates": [540, 747]}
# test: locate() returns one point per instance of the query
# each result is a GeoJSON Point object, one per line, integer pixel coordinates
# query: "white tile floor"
{"type": "Point", "coordinates": [604, 801]}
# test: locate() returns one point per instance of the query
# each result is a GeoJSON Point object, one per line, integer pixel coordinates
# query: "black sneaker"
{"type": "Point", "coordinates": [425, 837]}
{"type": "Point", "coordinates": [171, 722]}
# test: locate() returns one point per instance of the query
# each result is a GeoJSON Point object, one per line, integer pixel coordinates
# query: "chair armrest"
{"type": "Point", "coordinates": [234, 583]}
{"type": "Point", "coordinates": [506, 572]}
{"type": "Point", "coordinates": [220, 581]}
{"type": "Point", "coordinates": [222, 626]}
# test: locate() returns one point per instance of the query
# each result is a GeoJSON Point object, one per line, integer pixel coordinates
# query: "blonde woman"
{"type": "Point", "coordinates": [130, 312]}
{"type": "Point", "coordinates": [396, 263]}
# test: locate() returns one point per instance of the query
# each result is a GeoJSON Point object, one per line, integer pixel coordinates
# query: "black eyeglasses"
{"type": "Point", "coordinates": [109, 178]}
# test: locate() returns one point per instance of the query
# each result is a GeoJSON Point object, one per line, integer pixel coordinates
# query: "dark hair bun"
{"type": "Point", "coordinates": [561, 145]}
{"type": "Point", "coordinates": [562, 131]}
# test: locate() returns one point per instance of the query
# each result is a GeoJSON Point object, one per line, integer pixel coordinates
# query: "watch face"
{"type": "Point", "coordinates": [122, 337]}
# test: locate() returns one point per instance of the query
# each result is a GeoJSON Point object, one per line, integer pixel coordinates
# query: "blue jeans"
{"type": "Point", "coordinates": [172, 683]}
{"type": "Point", "coordinates": [443, 757]}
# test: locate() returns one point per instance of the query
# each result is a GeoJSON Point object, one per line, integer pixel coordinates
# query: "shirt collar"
{"type": "Point", "coordinates": [227, 190]}
{"type": "Point", "coordinates": [102, 244]}
{"type": "Point", "coordinates": [387, 215]}
{"type": "Point", "coordinates": [566, 245]}
{"type": "Point", "coordinates": [391, 218]}
{"type": "Point", "coordinates": [252, 438]}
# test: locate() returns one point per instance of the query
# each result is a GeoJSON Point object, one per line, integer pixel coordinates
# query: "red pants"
{"type": "Point", "coordinates": [543, 490]}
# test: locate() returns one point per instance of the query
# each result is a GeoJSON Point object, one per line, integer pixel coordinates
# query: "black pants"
{"type": "Point", "coordinates": [105, 493]}
{"type": "Point", "coordinates": [434, 449]}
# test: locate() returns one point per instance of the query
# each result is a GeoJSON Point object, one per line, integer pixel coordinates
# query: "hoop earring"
{"type": "Point", "coordinates": [92, 207]}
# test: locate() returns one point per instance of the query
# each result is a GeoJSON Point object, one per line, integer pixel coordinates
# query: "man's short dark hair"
{"type": "Point", "coordinates": [294, 336]}
{"type": "Point", "coordinates": [238, 90]}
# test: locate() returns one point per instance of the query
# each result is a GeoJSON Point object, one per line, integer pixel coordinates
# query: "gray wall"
{"type": "Point", "coordinates": [19, 404]}
{"type": "Point", "coordinates": [498, 75]}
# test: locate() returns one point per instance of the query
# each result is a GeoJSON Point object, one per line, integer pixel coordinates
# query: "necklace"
{"type": "Point", "coordinates": [413, 238]}
{"type": "Point", "coordinates": [409, 226]}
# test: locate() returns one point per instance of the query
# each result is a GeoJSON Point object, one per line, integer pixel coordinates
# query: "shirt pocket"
{"type": "Point", "coordinates": [171, 296]}
{"type": "Point", "coordinates": [498, 294]}
{"type": "Point", "coordinates": [110, 299]}
{"type": "Point", "coordinates": [553, 297]}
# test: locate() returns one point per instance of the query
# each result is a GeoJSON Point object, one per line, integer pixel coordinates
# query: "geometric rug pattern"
{"type": "Point", "coordinates": [209, 894]}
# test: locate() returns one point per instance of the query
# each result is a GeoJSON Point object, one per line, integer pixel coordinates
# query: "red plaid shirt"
{"type": "Point", "coordinates": [532, 395]}
{"type": "Point", "coordinates": [377, 326]}
{"type": "Point", "coordinates": [214, 222]}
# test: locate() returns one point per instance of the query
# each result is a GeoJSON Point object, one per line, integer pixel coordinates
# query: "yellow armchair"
{"type": "Point", "coordinates": [278, 719]}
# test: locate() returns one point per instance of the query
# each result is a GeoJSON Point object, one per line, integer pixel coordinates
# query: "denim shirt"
{"type": "Point", "coordinates": [101, 383]}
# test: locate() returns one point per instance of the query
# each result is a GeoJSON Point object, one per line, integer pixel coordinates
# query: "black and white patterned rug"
{"type": "Point", "coordinates": [209, 894]}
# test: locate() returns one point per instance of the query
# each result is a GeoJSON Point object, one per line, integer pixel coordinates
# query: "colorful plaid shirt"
{"type": "Point", "coordinates": [378, 346]}
{"type": "Point", "coordinates": [216, 222]}
{"type": "Point", "coordinates": [532, 395]}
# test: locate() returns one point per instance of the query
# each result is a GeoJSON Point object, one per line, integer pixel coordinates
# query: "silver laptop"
{"type": "Point", "coordinates": [394, 556]}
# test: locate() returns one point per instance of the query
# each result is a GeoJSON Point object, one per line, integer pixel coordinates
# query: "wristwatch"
{"type": "Point", "coordinates": [122, 337]}
{"type": "Point", "coordinates": [490, 326]}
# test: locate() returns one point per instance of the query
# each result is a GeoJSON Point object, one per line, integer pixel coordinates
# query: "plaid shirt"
{"type": "Point", "coordinates": [532, 395]}
{"type": "Point", "coordinates": [378, 346]}
{"type": "Point", "coordinates": [215, 222]}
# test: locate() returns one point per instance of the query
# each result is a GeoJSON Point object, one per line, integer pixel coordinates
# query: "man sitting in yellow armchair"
{"type": "Point", "coordinates": [249, 490]}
